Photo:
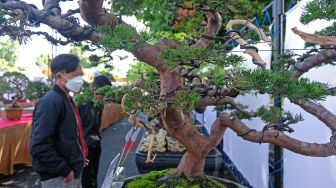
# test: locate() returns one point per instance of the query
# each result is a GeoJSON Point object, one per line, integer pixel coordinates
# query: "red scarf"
{"type": "Point", "coordinates": [79, 126]}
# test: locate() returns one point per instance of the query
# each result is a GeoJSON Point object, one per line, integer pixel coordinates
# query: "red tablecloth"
{"type": "Point", "coordinates": [14, 143]}
{"type": "Point", "coordinates": [7, 123]}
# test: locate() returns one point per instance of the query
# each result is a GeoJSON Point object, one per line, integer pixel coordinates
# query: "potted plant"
{"type": "Point", "coordinates": [14, 83]}
{"type": "Point", "coordinates": [169, 151]}
{"type": "Point", "coordinates": [13, 111]}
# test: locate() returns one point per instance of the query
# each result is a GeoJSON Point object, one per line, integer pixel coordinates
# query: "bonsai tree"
{"type": "Point", "coordinates": [36, 89]}
{"type": "Point", "coordinates": [14, 83]}
{"type": "Point", "coordinates": [194, 68]}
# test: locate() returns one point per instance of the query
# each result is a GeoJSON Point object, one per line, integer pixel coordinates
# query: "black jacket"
{"type": "Point", "coordinates": [55, 145]}
{"type": "Point", "coordinates": [91, 118]}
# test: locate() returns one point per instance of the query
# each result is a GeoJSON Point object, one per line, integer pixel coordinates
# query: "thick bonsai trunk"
{"type": "Point", "coordinates": [180, 126]}
{"type": "Point", "coordinates": [191, 165]}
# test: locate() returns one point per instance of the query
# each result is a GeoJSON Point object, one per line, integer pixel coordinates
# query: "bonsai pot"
{"type": "Point", "coordinates": [13, 113]}
{"type": "Point", "coordinates": [164, 160]}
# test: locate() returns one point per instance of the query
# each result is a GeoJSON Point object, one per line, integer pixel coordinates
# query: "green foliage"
{"type": "Point", "coordinates": [110, 93]}
{"type": "Point", "coordinates": [17, 83]}
{"type": "Point", "coordinates": [85, 96]}
{"type": "Point", "coordinates": [285, 60]}
{"type": "Point", "coordinates": [117, 94]}
{"type": "Point", "coordinates": [186, 99]}
{"type": "Point", "coordinates": [2, 16]}
{"type": "Point", "coordinates": [136, 70]}
{"type": "Point", "coordinates": [166, 18]}
{"type": "Point", "coordinates": [219, 76]}
{"type": "Point", "coordinates": [318, 9]}
{"type": "Point", "coordinates": [14, 105]}
{"type": "Point", "coordinates": [149, 179]}
{"type": "Point", "coordinates": [246, 9]}
{"type": "Point", "coordinates": [122, 37]}
{"type": "Point", "coordinates": [175, 57]}
{"type": "Point", "coordinates": [328, 31]}
{"type": "Point", "coordinates": [36, 90]}
{"type": "Point", "coordinates": [4, 88]}
{"type": "Point", "coordinates": [42, 60]}
{"type": "Point", "coordinates": [79, 52]}
{"type": "Point", "coordinates": [276, 115]}
{"type": "Point", "coordinates": [8, 56]}
{"type": "Point", "coordinates": [157, 15]}
{"type": "Point", "coordinates": [139, 99]}
{"type": "Point", "coordinates": [281, 84]}
{"type": "Point", "coordinates": [271, 115]}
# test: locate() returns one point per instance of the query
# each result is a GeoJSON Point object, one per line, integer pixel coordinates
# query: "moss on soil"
{"type": "Point", "coordinates": [150, 180]}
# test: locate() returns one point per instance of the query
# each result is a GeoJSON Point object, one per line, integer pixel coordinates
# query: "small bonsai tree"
{"type": "Point", "coordinates": [36, 90]}
{"type": "Point", "coordinates": [14, 83]}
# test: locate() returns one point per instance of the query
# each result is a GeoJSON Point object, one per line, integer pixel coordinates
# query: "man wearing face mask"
{"type": "Point", "coordinates": [57, 144]}
{"type": "Point", "coordinates": [91, 117]}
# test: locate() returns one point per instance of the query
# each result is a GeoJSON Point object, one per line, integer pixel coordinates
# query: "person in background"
{"type": "Point", "coordinates": [57, 144]}
{"type": "Point", "coordinates": [91, 118]}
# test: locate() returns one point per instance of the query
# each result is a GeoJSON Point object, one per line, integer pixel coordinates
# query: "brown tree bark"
{"type": "Point", "coordinates": [191, 165]}
{"type": "Point", "coordinates": [276, 137]}
{"type": "Point", "coordinates": [316, 39]}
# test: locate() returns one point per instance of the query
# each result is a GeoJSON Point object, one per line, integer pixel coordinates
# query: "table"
{"type": "Point", "coordinates": [14, 143]}
{"type": "Point", "coordinates": [111, 114]}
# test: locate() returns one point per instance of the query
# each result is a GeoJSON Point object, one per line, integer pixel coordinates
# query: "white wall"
{"type": "Point", "coordinates": [251, 159]}
{"type": "Point", "coordinates": [303, 171]}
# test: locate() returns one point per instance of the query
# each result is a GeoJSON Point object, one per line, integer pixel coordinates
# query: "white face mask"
{"type": "Point", "coordinates": [74, 84]}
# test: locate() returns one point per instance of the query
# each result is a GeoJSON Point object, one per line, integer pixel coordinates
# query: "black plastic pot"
{"type": "Point", "coordinates": [213, 161]}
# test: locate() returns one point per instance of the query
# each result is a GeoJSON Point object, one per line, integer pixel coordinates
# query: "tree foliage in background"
{"type": "Point", "coordinates": [166, 18]}
{"type": "Point", "coordinates": [84, 59]}
{"type": "Point", "coordinates": [141, 71]}
{"type": "Point", "coordinates": [8, 56]}
{"type": "Point", "coordinates": [42, 61]}
{"type": "Point", "coordinates": [36, 89]}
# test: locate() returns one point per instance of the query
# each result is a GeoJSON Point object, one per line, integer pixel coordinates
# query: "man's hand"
{"type": "Point", "coordinates": [70, 177]}
{"type": "Point", "coordinates": [86, 162]}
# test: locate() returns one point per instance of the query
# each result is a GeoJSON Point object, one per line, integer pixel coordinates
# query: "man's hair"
{"type": "Point", "coordinates": [101, 81]}
{"type": "Point", "coordinates": [64, 62]}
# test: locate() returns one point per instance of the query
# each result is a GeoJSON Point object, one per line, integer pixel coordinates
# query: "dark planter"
{"type": "Point", "coordinates": [228, 183]}
{"type": "Point", "coordinates": [213, 161]}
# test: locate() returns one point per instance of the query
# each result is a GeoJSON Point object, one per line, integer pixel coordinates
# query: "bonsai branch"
{"type": "Point", "coordinates": [332, 91]}
{"type": "Point", "coordinates": [93, 13]}
{"type": "Point", "coordinates": [55, 22]}
{"type": "Point", "coordinates": [275, 137]}
{"type": "Point", "coordinates": [136, 122]}
{"type": "Point", "coordinates": [214, 23]}
{"type": "Point", "coordinates": [252, 51]}
{"type": "Point", "coordinates": [223, 101]}
{"type": "Point", "coordinates": [48, 37]}
{"type": "Point", "coordinates": [316, 39]}
{"type": "Point", "coordinates": [70, 13]}
{"type": "Point", "coordinates": [319, 111]}
{"type": "Point", "coordinates": [312, 61]}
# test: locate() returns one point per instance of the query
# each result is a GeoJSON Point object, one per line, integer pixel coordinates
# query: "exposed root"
{"type": "Point", "coordinates": [177, 174]}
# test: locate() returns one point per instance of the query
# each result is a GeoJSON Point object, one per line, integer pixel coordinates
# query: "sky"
{"type": "Point", "coordinates": [39, 45]}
